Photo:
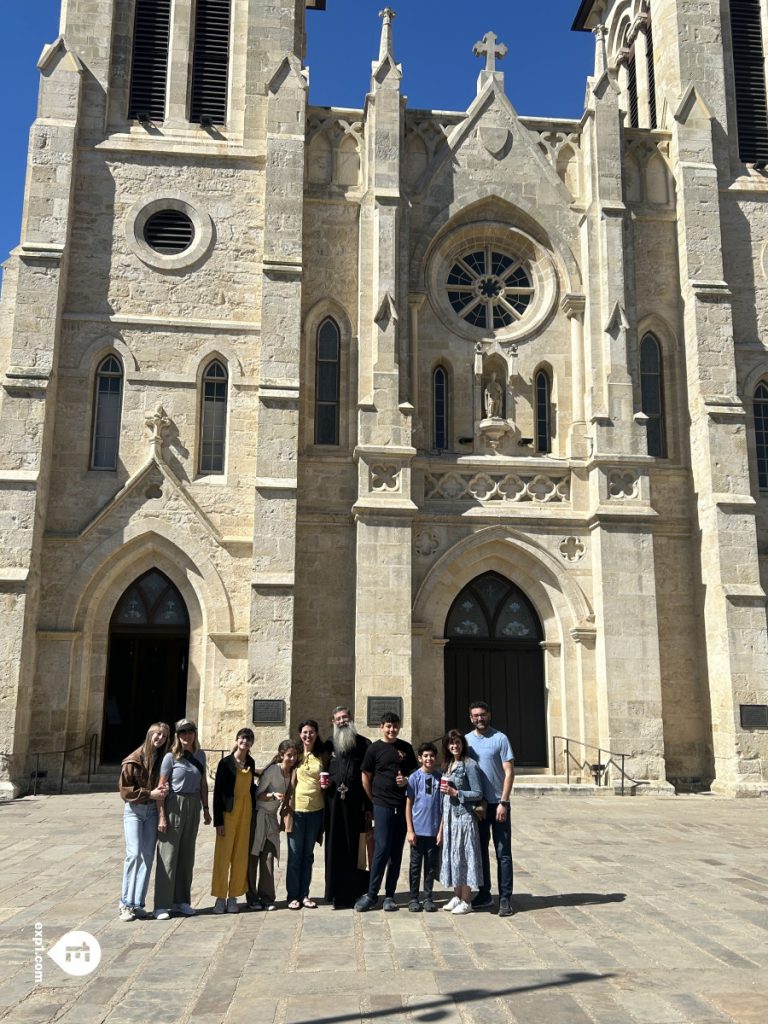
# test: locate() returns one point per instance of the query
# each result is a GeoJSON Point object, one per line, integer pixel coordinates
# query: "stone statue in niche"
{"type": "Point", "coordinates": [493, 398]}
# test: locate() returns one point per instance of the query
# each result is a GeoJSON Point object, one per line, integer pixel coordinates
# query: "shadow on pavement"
{"type": "Point", "coordinates": [525, 901]}
{"type": "Point", "coordinates": [442, 1006]}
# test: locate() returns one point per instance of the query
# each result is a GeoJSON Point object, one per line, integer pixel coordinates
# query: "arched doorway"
{"type": "Point", "coordinates": [147, 663]}
{"type": "Point", "coordinates": [494, 654]}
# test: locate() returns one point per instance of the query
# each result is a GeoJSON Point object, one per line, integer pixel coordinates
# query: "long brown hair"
{"type": "Point", "coordinates": [152, 756]}
{"type": "Point", "coordinates": [286, 745]}
{"type": "Point", "coordinates": [452, 736]}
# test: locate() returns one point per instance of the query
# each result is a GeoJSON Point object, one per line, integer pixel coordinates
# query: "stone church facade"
{"type": "Point", "coordinates": [306, 406]}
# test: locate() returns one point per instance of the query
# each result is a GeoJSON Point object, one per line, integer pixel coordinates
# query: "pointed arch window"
{"type": "Point", "coordinates": [327, 377]}
{"type": "Point", "coordinates": [749, 79]}
{"type": "Point", "coordinates": [107, 407]}
{"type": "Point", "coordinates": [149, 63]}
{"type": "Point", "coordinates": [210, 62]}
{"type": "Point", "coordinates": [491, 607]}
{"type": "Point", "coordinates": [440, 409]}
{"type": "Point", "coordinates": [652, 395]}
{"type": "Point", "coordinates": [152, 602]}
{"type": "Point", "coordinates": [213, 419]}
{"type": "Point", "coordinates": [543, 412]}
{"type": "Point", "coordinates": [760, 409]}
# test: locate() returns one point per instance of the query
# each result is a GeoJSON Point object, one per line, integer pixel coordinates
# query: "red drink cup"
{"type": "Point", "coordinates": [444, 780]}
{"type": "Point", "coordinates": [325, 780]}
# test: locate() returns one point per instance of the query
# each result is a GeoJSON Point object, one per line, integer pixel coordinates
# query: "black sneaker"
{"type": "Point", "coordinates": [389, 904]}
{"type": "Point", "coordinates": [429, 905]}
{"type": "Point", "coordinates": [482, 900]}
{"type": "Point", "coordinates": [505, 908]}
{"type": "Point", "coordinates": [414, 906]}
{"type": "Point", "coordinates": [365, 903]}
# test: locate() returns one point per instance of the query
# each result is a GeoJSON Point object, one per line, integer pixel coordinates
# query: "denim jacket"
{"type": "Point", "coordinates": [468, 781]}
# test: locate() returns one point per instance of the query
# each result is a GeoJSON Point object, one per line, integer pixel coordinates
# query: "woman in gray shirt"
{"type": "Point", "coordinates": [184, 770]}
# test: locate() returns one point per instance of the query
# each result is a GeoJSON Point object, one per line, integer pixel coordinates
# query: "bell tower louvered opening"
{"type": "Point", "coordinates": [149, 65]}
{"type": "Point", "coordinates": [651, 75]}
{"type": "Point", "coordinates": [632, 112]}
{"type": "Point", "coordinates": [210, 62]}
{"type": "Point", "coordinates": [749, 75]}
{"type": "Point", "coordinates": [169, 232]}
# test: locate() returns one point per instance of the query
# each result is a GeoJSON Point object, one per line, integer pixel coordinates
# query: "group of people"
{"type": "Point", "coordinates": [363, 799]}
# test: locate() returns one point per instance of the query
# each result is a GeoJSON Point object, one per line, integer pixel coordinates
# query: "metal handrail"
{"type": "Point", "coordinates": [598, 770]}
{"type": "Point", "coordinates": [90, 743]}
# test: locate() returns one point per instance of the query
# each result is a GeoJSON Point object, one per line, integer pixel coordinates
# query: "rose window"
{"type": "Point", "coordinates": [489, 289]}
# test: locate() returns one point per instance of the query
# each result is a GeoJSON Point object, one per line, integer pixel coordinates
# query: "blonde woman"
{"type": "Point", "coordinates": [184, 771]}
{"type": "Point", "coordinates": [143, 795]}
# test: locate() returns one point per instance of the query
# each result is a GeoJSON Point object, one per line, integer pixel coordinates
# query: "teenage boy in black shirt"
{"type": "Point", "coordinates": [386, 766]}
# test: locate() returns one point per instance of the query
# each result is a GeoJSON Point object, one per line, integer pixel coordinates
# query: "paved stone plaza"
{"type": "Point", "coordinates": [633, 911]}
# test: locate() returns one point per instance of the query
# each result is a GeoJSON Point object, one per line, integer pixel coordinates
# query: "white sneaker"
{"type": "Point", "coordinates": [186, 909]}
{"type": "Point", "coordinates": [161, 914]}
{"type": "Point", "coordinates": [127, 914]}
{"type": "Point", "coordinates": [462, 908]}
{"type": "Point", "coordinates": [232, 907]}
{"type": "Point", "coordinates": [453, 902]}
{"type": "Point", "coordinates": [219, 906]}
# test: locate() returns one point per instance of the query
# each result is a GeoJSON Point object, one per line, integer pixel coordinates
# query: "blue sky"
{"type": "Point", "coordinates": [545, 68]}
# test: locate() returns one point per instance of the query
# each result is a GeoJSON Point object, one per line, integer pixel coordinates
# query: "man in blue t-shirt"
{"type": "Point", "coordinates": [492, 751]}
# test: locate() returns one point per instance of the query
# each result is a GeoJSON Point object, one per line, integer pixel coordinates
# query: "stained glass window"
{"type": "Point", "coordinates": [652, 395]}
{"type": "Point", "coordinates": [106, 414]}
{"type": "Point", "coordinates": [489, 289]}
{"type": "Point", "coordinates": [327, 367]}
{"type": "Point", "coordinates": [760, 407]}
{"type": "Point", "coordinates": [213, 425]}
{"type": "Point", "coordinates": [490, 607]}
{"type": "Point", "coordinates": [152, 601]}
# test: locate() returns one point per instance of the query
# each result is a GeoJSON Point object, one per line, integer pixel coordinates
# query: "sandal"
{"type": "Point", "coordinates": [294, 905]}
{"type": "Point", "coordinates": [309, 904]}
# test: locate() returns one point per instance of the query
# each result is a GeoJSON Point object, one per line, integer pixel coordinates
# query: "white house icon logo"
{"type": "Point", "coordinates": [77, 953]}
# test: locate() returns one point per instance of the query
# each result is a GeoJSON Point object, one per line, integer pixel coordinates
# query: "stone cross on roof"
{"type": "Point", "coordinates": [490, 48]}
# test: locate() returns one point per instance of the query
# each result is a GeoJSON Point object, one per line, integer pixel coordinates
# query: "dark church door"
{"type": "Point", "coordinates": [494, 654]}
{"type": "Point", "coordinates": [147, 665]}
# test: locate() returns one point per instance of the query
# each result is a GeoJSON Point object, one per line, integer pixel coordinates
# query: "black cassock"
{"type": "Point", "coordinates": [345, 807]}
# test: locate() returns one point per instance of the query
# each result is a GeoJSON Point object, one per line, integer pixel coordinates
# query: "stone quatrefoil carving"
{"type": "Point", "coordinates": [622, 484]}
{"type": "Point", "coordinates": [499, 487]}
{"type": "Point", "coordinates": [572, 549]}
{"type": "Point", "coordinates": [385, 478]}
{"type": "Point", "coordinates": [427, 543]}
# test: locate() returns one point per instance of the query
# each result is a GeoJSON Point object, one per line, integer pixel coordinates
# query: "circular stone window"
{"type": "Point", "coordinates": [488, 288]}
{"type": "Point", "coordinates": [491, 282]}
{"type": "Point", "coordinates": [168, 233]}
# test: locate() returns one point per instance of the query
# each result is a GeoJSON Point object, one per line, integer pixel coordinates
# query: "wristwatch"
{"type": "Point", "coordinates": [504, 803]}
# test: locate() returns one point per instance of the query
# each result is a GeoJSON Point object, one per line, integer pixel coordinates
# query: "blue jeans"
{"type": "Point", "coordinates": [140, 828]}
{"type": "Point", "coordinates": [502, 842]}
{"type": "Point", "coordinates": [301, 853]}
{"type": "Point", "coordinates": [389, 837]}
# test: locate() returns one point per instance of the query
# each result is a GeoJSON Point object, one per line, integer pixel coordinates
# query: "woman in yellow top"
{"type": "Point", "coordinates": [307, 818]}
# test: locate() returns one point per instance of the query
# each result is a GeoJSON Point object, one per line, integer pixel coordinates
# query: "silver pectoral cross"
{"type": "Point", "coordinates": [342, 790]}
